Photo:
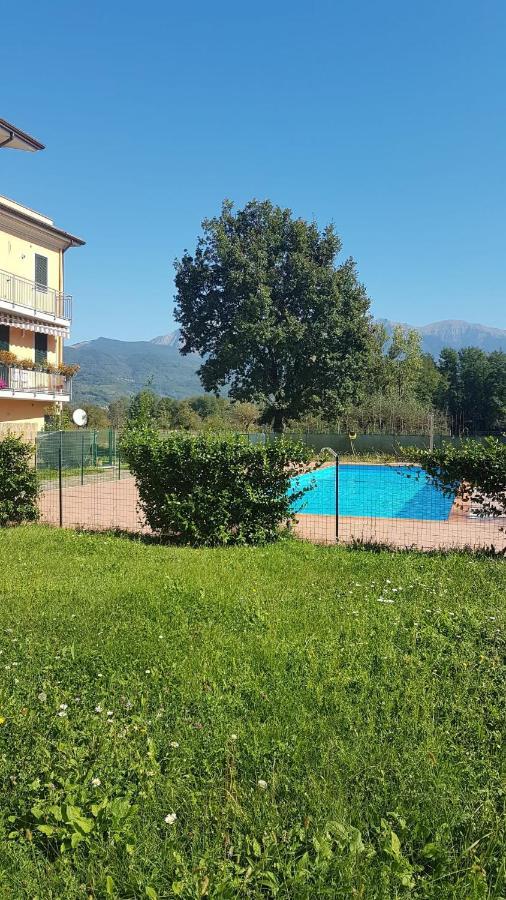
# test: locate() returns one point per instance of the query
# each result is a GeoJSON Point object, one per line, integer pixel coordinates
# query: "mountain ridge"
{"type": "Point", "coordinates": [111, 368]}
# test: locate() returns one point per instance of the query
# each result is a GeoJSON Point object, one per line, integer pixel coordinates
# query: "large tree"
{"type": "Point", "coordinates": [263, 301]}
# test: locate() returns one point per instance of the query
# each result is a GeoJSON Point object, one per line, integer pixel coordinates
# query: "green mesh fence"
{"type": "Point", "coordinates": [85, 448]}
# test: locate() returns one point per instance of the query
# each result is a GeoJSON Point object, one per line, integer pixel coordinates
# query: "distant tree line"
{"type": "Point", "coordinates": [201, 413]}
{"type": "Point", "coordinates": [463, 392]}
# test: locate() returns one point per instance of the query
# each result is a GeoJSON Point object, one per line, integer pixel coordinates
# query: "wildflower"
{"type": "Point", "coordinates": [63, 706]}
{"type": "Point", "coordinates": [110, 713]}
{"type": "Point", "coordinates": [96, 782]}
{"type": "Point", "coordinates": [2, 720]}
{"type": "Point", "coordinates": [147, 671]}
{"type": "Point", "coordinates": [233, 737]}
{"type": "Point", "coordinates": [62, 713]}
{"type": "Point", "coordinates": [42, 696]}
{"type": "Point", "coordinates": [262, 784]}
{"type": "Point", "coordinates": [174, 745]}
{"type": "Point", "coordinates": [170, 818]}
{"type": "Point", "coordinates": [98, 709]}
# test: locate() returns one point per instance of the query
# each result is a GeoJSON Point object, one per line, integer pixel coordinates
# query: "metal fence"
{"type": "Point", "coordinates": [391, 504]}
{"type": "Point", "coordinates": [378, 444]}
{"type": "Point", "coordinates": [86, 484]}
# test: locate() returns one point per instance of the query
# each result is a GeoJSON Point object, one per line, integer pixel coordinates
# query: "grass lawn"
{"type": "Point", "coordinates": [294, 722]}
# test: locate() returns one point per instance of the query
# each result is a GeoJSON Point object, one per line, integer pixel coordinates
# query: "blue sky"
{"type": "Point", "coordinates": [387, 118]}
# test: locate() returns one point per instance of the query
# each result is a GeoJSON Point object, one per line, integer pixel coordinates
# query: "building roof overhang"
{"type": "Point", "coordinates": [32, 226]}
{"type": "Point", "coordinates": [15, 139]}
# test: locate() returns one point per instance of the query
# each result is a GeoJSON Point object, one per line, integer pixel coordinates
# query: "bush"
{"type": "Point", "coordinates": [475, 469]}
{"type": "Point", "coordinates": [18, 482]}
{"type": "Point", "coordinates": [213, 489]}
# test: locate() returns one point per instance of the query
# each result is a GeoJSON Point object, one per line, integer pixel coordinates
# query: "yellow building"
{"type": "Point", "coordinates": [35, 311]}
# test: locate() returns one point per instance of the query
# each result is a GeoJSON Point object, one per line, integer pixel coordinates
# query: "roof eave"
{"type": "Point", "coordinates": [30, 142]}
{"type": "Point", "coordinates": [73, 240]}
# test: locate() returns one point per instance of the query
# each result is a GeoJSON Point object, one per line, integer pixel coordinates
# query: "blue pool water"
{"type": "Point", "coordinates": [393, 492]}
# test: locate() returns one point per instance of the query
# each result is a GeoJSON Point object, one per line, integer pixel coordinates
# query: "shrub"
{"type": "Point", "coordinates": [213, 489]}
{"type": "Point", "coordinates": [474, 469]}
{"type": "Point", "coordinates": [18, 482]}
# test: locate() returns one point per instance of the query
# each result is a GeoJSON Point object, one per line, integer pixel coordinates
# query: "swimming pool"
{"type": "Point", "coordinates": [385, 492]}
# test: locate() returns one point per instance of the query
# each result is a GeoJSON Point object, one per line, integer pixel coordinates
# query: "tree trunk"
{"type": "Point", "coordinates": [278, 424]}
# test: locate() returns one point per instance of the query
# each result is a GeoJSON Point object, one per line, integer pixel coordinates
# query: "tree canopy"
{"type": "Point", "coordinates": [263, 301]}
{"type": "Point", "coordinates": [472, 390]}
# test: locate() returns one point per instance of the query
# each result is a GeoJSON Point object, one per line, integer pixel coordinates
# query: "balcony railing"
{"type": "Point", "coordinates": [28, 381]}
{"type": "Point", "coordinates": [22, 292]}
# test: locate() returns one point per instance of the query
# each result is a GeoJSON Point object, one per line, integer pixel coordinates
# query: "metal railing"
{"type": "Point", "coordinates": [22, 292]}
{"type": "Point", "coordinates": [29, 381]}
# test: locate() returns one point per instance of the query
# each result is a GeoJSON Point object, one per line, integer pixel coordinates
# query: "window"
{"type": "Point", "coordinates": [40, 349]}
{"type": "Point", "coordinates": [41, 271]}
{"type": "Point", "coordinates": [4, 337]}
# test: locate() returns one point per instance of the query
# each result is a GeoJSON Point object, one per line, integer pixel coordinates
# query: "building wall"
{"type": "Point", "coordinates": [23, 412]}
{"type": "Point", "coordinates": [18, 256]}
{"type": "Point", "coordinates": [22, 343]}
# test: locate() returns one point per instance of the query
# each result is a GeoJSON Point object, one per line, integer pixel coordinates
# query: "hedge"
{"type": "Point", "coordinates": [18, 482]}
{"type": "Point", "coordinates": [475, 469]}
{"type": "Point", "coordinates": [212, 489]}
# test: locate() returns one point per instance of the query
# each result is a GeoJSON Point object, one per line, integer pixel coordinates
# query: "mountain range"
{"type": "Point", "coordinates": [112, 368]}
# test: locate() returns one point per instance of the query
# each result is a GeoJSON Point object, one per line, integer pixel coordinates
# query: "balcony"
{"type": "Point", "coordinates": [32, 385]}
{"type": "Point", "coordinates": [24, 297]}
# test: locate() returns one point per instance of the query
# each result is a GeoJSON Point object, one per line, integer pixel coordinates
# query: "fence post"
{"type": "Point", "coordinates": [337, 499]}
{"type": "Point", "coordinates": [60, 486]}
{"type": "Point", "coordinates": [82, 457]}
{"type": "Point", "coordinates": [431, 431]}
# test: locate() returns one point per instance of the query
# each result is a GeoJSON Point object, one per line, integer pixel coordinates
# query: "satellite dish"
{"type": "Point", "coordinates": [80, 417]}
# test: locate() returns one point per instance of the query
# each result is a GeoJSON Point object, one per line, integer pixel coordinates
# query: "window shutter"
{"type": "Point", "coordinates": [40, 348]}
{"type": "Point", "coordinates": [4, 337]}
{"type": "Point", "coordinates": [41, 270]}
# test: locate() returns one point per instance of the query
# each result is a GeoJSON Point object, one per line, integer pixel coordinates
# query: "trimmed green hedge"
{"type": "Point", "coordinates": [213, 489]}
{"type": "Point", "coordinates": [18, 482]}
